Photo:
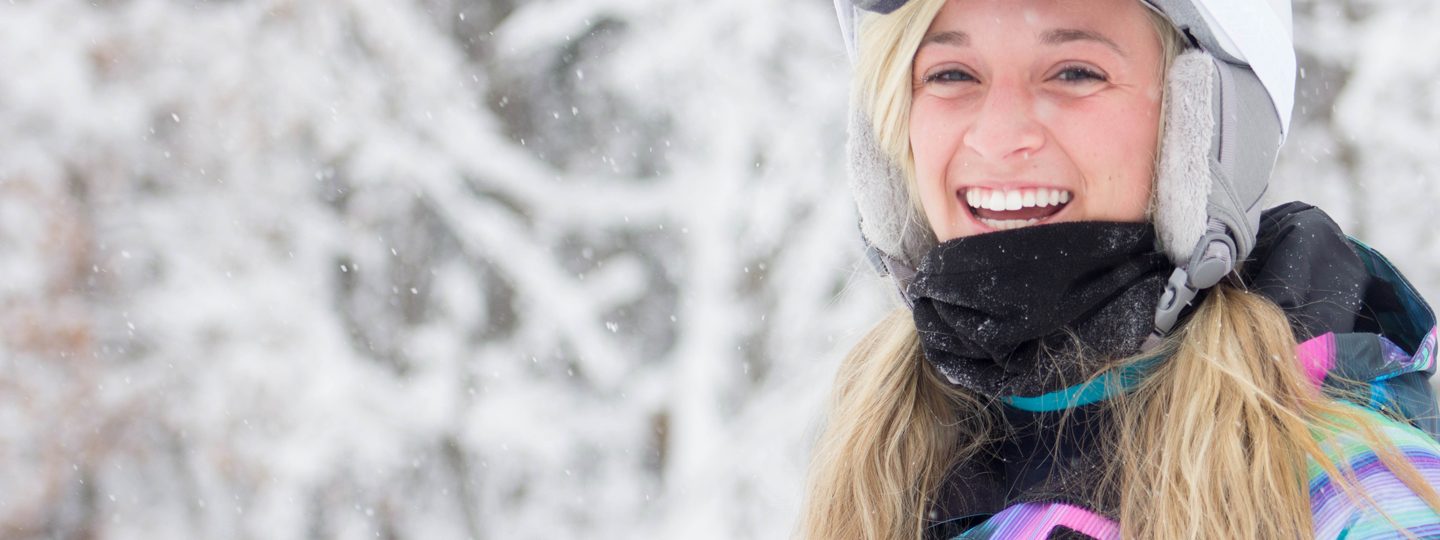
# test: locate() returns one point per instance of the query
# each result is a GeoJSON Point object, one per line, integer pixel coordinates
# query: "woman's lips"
{"type": "Point", "coordinates": [1002, 209]}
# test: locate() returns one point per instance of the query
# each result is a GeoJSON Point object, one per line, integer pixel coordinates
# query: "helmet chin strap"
{"type": "Point", "coordinates": [899, 273]}
{"type": "Point", "coordinates": [1213, 259]}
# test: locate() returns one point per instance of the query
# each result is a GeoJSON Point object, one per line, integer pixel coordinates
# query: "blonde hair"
{"type": "Point", "coordinates": [1213, 443]}
{"type": "Point", "coordinates": [893, 431]}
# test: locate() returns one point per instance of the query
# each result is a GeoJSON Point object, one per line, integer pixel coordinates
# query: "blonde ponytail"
{"type": "Point", "coordinates": [1215, 443]}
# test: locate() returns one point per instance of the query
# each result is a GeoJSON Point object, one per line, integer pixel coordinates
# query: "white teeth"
{"type": "Point", "coordinates": [1001, 200]}
{"type": "Point", "coordinates": [997, 200]}
{"type": "Point", "coordinates": [1013, 201]}
{"type": "Point", "coordinates": [1008, 224]}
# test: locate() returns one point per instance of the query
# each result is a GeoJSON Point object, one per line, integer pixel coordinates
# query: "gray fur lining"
{"type": "Point", "coordinates": [1184, 175]}
{"type": "Point", "coordinates": [887, 219]}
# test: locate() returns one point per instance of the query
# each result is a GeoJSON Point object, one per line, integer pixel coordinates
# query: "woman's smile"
{"type": "Point", "coordinates": [1002, 209]}
{"type": "Point", "coordinates": [1028, 111]}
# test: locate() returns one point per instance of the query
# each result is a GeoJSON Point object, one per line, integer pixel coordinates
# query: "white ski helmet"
{"type": "Point", "coordinates": [1228, 105]}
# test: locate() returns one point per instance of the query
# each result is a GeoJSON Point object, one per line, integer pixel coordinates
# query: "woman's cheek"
{"type": "Point", "coordinates": [927, 146]}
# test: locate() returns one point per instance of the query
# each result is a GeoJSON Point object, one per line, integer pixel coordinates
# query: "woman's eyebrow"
{"type": "Point", "coordinates": [1065, 35]}
{"type": "Point", "coordinates": [953, 38]}
{"type": "Point", "coordinates": [956, 38]}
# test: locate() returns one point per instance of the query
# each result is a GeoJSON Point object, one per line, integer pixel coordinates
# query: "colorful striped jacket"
{"type": "Point", "coordinates": [1335, 515]}
{"type": "Point", "coordinates": [1391, 351]}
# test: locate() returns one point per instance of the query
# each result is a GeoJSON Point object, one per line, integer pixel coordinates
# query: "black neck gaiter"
{"type": "Point", "coordinates": [1037, 309]}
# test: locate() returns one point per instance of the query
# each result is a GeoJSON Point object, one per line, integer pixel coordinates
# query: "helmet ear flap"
{"type": "Point", "coordinates": [888, 220]}
{"type": "Point", "coordinates": [1217, 149]}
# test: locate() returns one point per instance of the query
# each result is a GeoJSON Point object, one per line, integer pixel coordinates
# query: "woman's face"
{"type": "Point", "coordinates": [1035, 111]}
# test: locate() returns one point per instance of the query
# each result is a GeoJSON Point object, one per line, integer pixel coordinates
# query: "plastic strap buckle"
{"type": "Point", "coordinates": [1212, 260]}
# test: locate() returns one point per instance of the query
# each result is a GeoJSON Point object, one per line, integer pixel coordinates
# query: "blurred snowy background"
{"type": "Point", "coordinates": [488, 268]}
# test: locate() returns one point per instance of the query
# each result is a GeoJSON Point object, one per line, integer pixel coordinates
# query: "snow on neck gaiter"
{"type": "Point", "coordinates": [1035, 310]}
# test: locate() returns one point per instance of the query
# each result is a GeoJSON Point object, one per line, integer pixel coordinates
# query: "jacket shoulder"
{"type": "Point", "coordinates": [1392, 506]}
{"type": "Point", "coordinates": [1371, 370]}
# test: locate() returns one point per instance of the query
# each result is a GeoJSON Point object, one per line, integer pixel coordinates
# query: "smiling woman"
{"type": "Point", "coordinates": [1063, 192]}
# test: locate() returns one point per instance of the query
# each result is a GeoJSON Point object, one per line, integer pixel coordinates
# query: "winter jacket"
{"type": "Point", "coordinates": [1360, 321]}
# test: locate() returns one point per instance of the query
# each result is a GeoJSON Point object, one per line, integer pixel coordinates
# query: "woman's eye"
{"type": "Point", "coordinates": [949, 76]}
{"type": "Point", "coordinates": [1079, 74]}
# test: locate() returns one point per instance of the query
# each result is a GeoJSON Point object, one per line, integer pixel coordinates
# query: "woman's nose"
{"type": "Point", "coordinates": [1005, 126]}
